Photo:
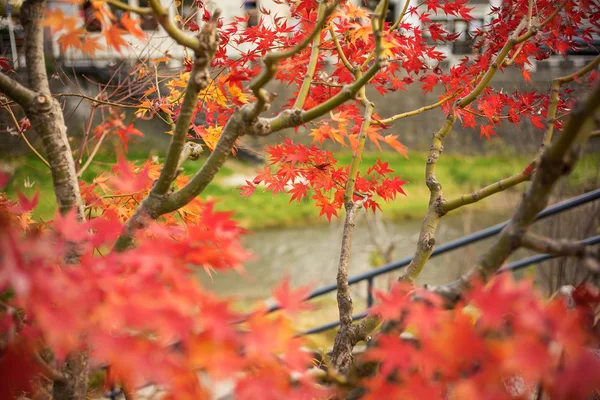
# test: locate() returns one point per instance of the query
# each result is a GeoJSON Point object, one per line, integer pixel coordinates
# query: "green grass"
{"type": "Point", "coordinates": [458, 175]}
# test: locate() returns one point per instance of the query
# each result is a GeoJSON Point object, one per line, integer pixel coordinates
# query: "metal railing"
{"type": "Point", "coordinates": [447, 247]}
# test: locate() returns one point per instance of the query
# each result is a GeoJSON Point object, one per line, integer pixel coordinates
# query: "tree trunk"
{"type": "Point", "coordinates": [46, 117]}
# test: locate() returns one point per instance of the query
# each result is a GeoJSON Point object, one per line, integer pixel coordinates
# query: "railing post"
{"type": "Point", "coordinates": [370, 292]}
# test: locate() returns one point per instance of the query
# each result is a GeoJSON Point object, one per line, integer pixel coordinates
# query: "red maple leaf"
{"type": "Point", "coordinates": [25, 204]}
{"type": "Point", "coordinates": [70, 227]}
{"type": "Point", "coordinates": [248, 189]}
{"type": "Point", "coordinates": [292, 300]}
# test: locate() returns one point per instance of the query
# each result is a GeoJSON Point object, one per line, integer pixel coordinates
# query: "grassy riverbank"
{"type": "Point", "coordinates": [458, 175]}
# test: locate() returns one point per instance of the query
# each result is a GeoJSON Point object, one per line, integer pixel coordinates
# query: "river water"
{"type": "Point", "coordinates": [309, 255]}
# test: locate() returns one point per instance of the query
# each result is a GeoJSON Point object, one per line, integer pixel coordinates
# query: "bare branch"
{"type": "Point", "coordinates": [560, 247]}
{"type": "Point", "coordinates": [102, 102]}
{"type": "Point", "coordinates": [339, 50]}
{"type": "Point", "coordinates": [489, 190]}
{"type": "Point", "coordinates": [18, 127]}
{"type": "Point", "coordinates": [346, 337]}
{"type": "Point", "coordinates": [92, 155]}
{"type": "Point", "coordinates": [417, 111]}
{"type": "Point", "coordinates": [162, 16]}
{"type": "Point", "coordinates": [15, 91]}
{"type": "Point", "coordinates": [312, 63]}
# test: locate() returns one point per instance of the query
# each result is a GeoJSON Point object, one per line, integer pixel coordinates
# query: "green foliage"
{"type": "Point", "coordinates": [460, 174]}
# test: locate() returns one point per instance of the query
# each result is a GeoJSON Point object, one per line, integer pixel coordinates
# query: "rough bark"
{"type": "Point", "coordinates": [47, 120]}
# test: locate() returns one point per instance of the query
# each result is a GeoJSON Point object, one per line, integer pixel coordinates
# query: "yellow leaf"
{"type": "Point", "coordinates": [161, 59]}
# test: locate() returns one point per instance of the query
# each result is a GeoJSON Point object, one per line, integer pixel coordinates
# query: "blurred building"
{"type": "Point", "coordinates": [158, 44]}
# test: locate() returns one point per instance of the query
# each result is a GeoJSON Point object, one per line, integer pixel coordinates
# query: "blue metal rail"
{"type": "Point", "coordinates": [447, 247]}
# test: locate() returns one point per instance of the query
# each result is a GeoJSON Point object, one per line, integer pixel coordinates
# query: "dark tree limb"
{"type": "Point", "coordinates": [346, 338]}
{"type": "Point", "coordinates": [558, 247]}
{"type": "Point", "coordinates": [15, 91]}
{"type": "Point", "coordinates": [501, 185]}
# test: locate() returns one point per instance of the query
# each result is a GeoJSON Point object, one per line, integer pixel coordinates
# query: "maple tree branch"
{"type": "Point", "coordinates": [191, 151]}
{"type": "Point", "coordinates": [557, 160]}
{"type": "Point", "coordinates": [49, 371]}
{"type": "Point", "coordinates": [272, 59]}
{"type": "Point", "coordinates": [103, 102]}
{"type": "Point", "coordinates": [377, 23]}
{"type": "Point", "coordinates": [162, 16]}
{"type": "Point", "coordinates": [151, 206]}
{"type": "Point", "coordinates": [292, 118]}
{"type": "Point", "coordinates": [44, 112]}
{"type": "Point", "coordinates": [400, 17]}
{"type": "Point", "coordinates": [198, 80]}
{"type": "Point", "coordinates": [22, 133]}
{"type": "Point", "coordinates": [46, 117]}
{"type": "Point", "coordinates": [417, 111]}
{"type": "Point", "coordinates": [126, 7]}
{"type": "Point", "coordinates": [348, 335]}
{"type": "Point", "coordinates": [32, 14]}
{"type": "Point", "coordinates": [426, 241]}
{"type": "Point", "coordinates": [90, 158]}
{"type": "Point", "coordinates": [558, 247]}
{"type": "Point", "coordinates": [15, 91]}
{"type": "Point", "coordinates": [236, 126]}
{"type": "Point", "coordinates": [312, 63]}
{"type": "Point", "coordinates": [511, 60]}
{"type": "Point", "coordinates": [345, 338]}
{"type": "Point", "coordinates": [489, 190]}
{"type": "Point", "coordinates": [339, 50]}
{"type": "Point", "coordinates": [555, 94]}
{"type": "Point", "coordinates": [435, 211]}
{"type": "Point", "coordinates": [379, 16]}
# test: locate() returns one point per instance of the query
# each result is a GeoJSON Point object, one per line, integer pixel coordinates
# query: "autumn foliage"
{"type": "Point", "coordinates": [144, 318]}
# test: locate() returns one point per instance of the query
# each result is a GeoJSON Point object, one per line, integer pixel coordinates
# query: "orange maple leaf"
{"type": "Point", "coordinates": [90, 45]}
{"type": "Point", "coordinates": [54, 19]}
{"type": "Point", "coordinates": [399, 147]}
{"type": "Point", "coordinates": [132, 26]}
{"type": "Point", "coordinates": [72, 38]}
{"type": "Point", "coordinates": [114, 37]}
